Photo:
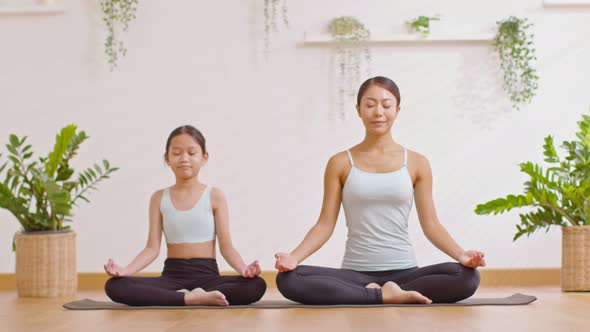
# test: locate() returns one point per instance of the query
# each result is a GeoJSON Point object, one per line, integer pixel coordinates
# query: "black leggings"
{"type": "Point", "coordinates": [442, 283]}
{"type": "Point", "coordinates": [184, 274]}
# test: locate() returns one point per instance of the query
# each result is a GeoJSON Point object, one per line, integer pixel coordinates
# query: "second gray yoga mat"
{"type": "Point", "coordinates": [515, 299]}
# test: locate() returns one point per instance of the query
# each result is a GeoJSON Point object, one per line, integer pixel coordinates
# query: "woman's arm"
{"type": "Point", "coordinates": [431, 226]}
{"type": "Point", "coordinates": [323, 229]}
{"type": "Point", "coordinates": [226, 247]}
{"type": "Point", "coordinates": [152, 248]}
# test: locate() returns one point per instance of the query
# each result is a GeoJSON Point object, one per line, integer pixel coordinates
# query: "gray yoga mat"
{"type": "Point", "coordinates": [88, 304]}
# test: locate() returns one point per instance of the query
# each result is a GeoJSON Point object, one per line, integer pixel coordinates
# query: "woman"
{"type": "Point", "coordinates": [377, 181]}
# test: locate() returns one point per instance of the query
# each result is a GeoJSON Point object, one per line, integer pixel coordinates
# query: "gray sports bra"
{"type": "Point", "coordinates": [188, 226]}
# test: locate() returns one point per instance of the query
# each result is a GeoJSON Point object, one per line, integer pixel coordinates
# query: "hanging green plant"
{"type": "Point", "coordinates": [350, 35]}
{"type": "Point", "coordinates": [421, 24]}
{"type": "Point", "coordinates": [271, 8]}
{"type": "Point", "coordinates": [515, 47]}
{"type": "Point", "coordinates": [117, 14]}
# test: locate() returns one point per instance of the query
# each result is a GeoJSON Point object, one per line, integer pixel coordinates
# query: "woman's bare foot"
{"type": "Point", "coordinates": [198, 296]}
{"type": "Point", "coordinates": [393, 294]}
{"type": "Point", "coordinates": [373, 285]}
{"type": "Point", "coordinates": [183, 290]}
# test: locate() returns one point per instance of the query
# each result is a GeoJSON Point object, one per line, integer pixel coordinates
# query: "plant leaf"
{"type": "Point", "coordinates": [62, 143]}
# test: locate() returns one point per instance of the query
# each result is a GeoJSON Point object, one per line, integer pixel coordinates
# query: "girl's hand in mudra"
{"type": "Point", "coordinates": [251, 271]}
{"type": "Point", "coordinates": [114, 270]}
{"type": "Point", "coordinates": [472, 259]}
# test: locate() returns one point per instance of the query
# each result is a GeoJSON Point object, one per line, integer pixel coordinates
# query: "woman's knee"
{"type": "Point", "coordinates": [470, 279]}
{"type": "Point", "coordinates": [287, 283]}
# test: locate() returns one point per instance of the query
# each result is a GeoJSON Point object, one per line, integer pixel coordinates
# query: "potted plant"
{"type": "Point", "coordinates": [421, 24]}
{"type": "Point", "coordinates": [40, 194]}
{"type": "Point", "coordinates": [558, 196]}
{"type": "Point", "coordinates": [351, 36]}
{"type": "Point", "coordinates": [117, 14]}
{"type": "Point", "coordinates": [270, 19]}
{"type": "Point", "coordinates": [515, 47]}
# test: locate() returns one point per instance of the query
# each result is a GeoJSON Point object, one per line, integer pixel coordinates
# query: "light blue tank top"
{"type": "Point", "coordinates": [377, 207]}
{"type": "Point", "coordinates": [188, 226]}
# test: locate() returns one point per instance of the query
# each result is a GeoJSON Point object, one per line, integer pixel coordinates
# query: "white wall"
{"type": "Point", "coordinates": [270, 124]}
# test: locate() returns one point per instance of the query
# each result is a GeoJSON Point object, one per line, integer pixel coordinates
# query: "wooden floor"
{"type": "Point", "coordinates": [553, 311]}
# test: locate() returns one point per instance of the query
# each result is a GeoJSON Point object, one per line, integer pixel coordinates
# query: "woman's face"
{"type": "Point", "coordinates": [378, 110]}
{"type": "Point", "coordinates": [185, 156]}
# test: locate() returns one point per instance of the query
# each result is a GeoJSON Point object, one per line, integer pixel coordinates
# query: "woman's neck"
{"type": "Point", "coordinates": [379, 143]}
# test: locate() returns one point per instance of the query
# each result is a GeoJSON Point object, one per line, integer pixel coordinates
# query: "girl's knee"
{"type": "Point", "coordinates": [114, 288]}
{"type": "Point", "coordinates": [258, 288]}
{"type": "Point", "coordinates": [245, 291]}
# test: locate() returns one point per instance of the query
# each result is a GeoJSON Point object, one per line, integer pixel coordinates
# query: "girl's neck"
{"type": "Point", "coordinates": [186, 184]}
{"type": "Point", "coordinates": [378, 142]}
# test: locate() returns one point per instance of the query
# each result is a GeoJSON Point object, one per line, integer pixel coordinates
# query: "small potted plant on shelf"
{"type": "Point", "coordinates": [40, 194]}
{"type": "Point", "coordinates": [421, 24]}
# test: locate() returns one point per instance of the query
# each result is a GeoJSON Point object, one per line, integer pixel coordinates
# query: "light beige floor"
{"type": "Point", "coordinates": [553, 311]}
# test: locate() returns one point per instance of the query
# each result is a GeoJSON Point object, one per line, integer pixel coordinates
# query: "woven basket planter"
{"type": "Point", "coordinates": [46, 264]}
{"type": "Point", "coordinates": [575, 260]}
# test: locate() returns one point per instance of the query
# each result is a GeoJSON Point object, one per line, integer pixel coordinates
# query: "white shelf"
{"type": "Point", "coordinates": [564, 3]}
{"type": "Point", "coordinates": [384, 38]}
{"type": "Point", "coordinates": [32, 10]}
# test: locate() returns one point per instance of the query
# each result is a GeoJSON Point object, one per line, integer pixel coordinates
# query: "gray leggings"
{"type": "Point", "coordinates": [442, 283]}
{"type": "Point", "coordinates": [188, 274]}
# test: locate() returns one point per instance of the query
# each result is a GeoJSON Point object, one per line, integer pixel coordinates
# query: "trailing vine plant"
{"type": "Point", "coordinates": [350, 35]}
{"type": "Point", "coordinates": [271, 8]}
{"type": "Point", "coordinates": [117, 14]}
{"type": "Point", "coordinates": [515, 46]}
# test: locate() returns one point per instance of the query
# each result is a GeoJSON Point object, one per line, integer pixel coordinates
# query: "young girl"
{"type": "Point", "coordinates": [377, 182]}
{"type": "Point", "coordinates": [190, 214]}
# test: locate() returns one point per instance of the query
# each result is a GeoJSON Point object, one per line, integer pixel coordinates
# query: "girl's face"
{"type": "Point", "coordinates": [378, 110]}
{"type": "Point", "coordinates": [185, 156]}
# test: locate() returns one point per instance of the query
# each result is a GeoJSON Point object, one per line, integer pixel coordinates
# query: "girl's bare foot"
{"type": "Point", "coordinates": [373, 285]}
{"type": "Point", "coordinates": [198, 296]}
{"type": "Point", "coordinates": [393, 294]}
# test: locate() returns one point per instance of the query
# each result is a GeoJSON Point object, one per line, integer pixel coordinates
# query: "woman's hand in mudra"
{"type": "Point", "coordinates": [472, 259]}
{"type": "Point", "coordinates": [285, 262]}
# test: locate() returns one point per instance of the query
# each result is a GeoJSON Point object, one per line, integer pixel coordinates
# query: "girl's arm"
{"type": "Point", "coordinates": [431, 226]}
{"type": "Point", "coordinates": [152, 248]}
{"type": "Point", "coordinates": [323, 229]}
{"type": "Point", "coordinates": [226, 247]}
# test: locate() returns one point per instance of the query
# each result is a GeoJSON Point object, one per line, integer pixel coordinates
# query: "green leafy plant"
{"type": "Point", "coordinates": [351, 36]}
{"type": "Point", "coordinates": [421, 24]}
{"type": "Point", "coordinates": [515, 47]}
{"type": "Point", "coordinates": [271, 8]}
{"type": "Point", "coordinates": [41, 194]}
{"type": "Point", "coordinates": [559, 195]}
{"type": "Point", "coordinates": [117, 14]}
